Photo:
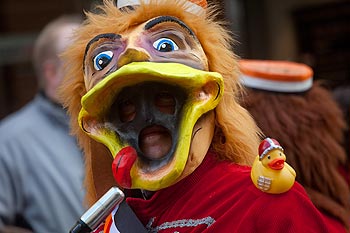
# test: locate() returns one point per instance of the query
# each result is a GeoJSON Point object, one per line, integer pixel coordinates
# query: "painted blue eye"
{"type": "Point", "coordinates": [102, 59]}
{"type": "Point", "coordinates": [165, 45]}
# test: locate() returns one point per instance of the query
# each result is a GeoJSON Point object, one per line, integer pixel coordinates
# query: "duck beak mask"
{"type": "Point", "coordinates": [147, 114]}
{"type": "Point", "coordinates": [148, 81]}
{"type": "Point", "coordinates": [149, 100]}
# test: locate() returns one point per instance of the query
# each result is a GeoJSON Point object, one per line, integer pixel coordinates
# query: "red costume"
{"type": "Point", "coordinates": [245, 209]}
{"type": "Point", "coordinates": [220, 197]}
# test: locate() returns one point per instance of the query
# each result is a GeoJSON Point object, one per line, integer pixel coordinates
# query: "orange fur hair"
{"type": "Point", "coordinates": [236, 137]}
{"type": "Point", "coordinates": [309, 128]}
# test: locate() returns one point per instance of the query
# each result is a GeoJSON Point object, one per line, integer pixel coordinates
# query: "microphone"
{"type": "Point", "coordinates": [97, 213]}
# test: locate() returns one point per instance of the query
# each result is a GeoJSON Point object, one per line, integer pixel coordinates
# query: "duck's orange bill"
{"type": "Point", "coordinates": [276, 164]}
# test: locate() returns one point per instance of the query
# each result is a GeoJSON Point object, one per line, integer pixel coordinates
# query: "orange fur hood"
{"type": "Point", "coordinates": [236, 135]}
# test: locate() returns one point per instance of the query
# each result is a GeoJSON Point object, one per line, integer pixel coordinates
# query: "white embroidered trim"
{"type": "Point", "coordinates": [180, 223]}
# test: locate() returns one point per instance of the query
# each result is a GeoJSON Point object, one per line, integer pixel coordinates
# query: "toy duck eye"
{"type": "Point", "coordinates": [269, 157]}
{"type": "Point", "coordinates": [102, 59]}
{"type": "Point", "coordinates": [165, 45]}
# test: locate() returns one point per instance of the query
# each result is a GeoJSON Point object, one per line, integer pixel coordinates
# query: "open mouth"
{"type": "Point", "coordinates": [155, 142]}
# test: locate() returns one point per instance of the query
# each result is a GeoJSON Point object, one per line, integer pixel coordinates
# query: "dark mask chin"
{"type": "Point", "coordinates": [146, 116]}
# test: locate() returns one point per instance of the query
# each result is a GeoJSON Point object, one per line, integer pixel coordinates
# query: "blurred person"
{"type": "Point", "coordinates": [303, 117]}
{"type": "Point", "coordinates": [41, 166]}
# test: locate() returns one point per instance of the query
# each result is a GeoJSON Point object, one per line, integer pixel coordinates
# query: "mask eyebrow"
{"type": "Point", "coordinates": [167, 18]}
{"type": "Point", "coordinates": [111, 36]}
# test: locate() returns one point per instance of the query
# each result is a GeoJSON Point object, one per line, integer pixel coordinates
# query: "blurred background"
{"type": "Point", "coordinates": [315, 32]}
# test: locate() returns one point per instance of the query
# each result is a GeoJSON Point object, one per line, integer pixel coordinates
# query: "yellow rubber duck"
{"type": "Point", "coordinates": [270, 173]}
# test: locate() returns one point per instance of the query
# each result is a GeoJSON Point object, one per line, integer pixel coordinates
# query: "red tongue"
{"type": "Point", "coordinates": [122, 164]}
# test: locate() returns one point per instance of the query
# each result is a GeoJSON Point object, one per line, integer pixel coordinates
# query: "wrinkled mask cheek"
{"type": "Point", "coordinates": [203, 133]}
